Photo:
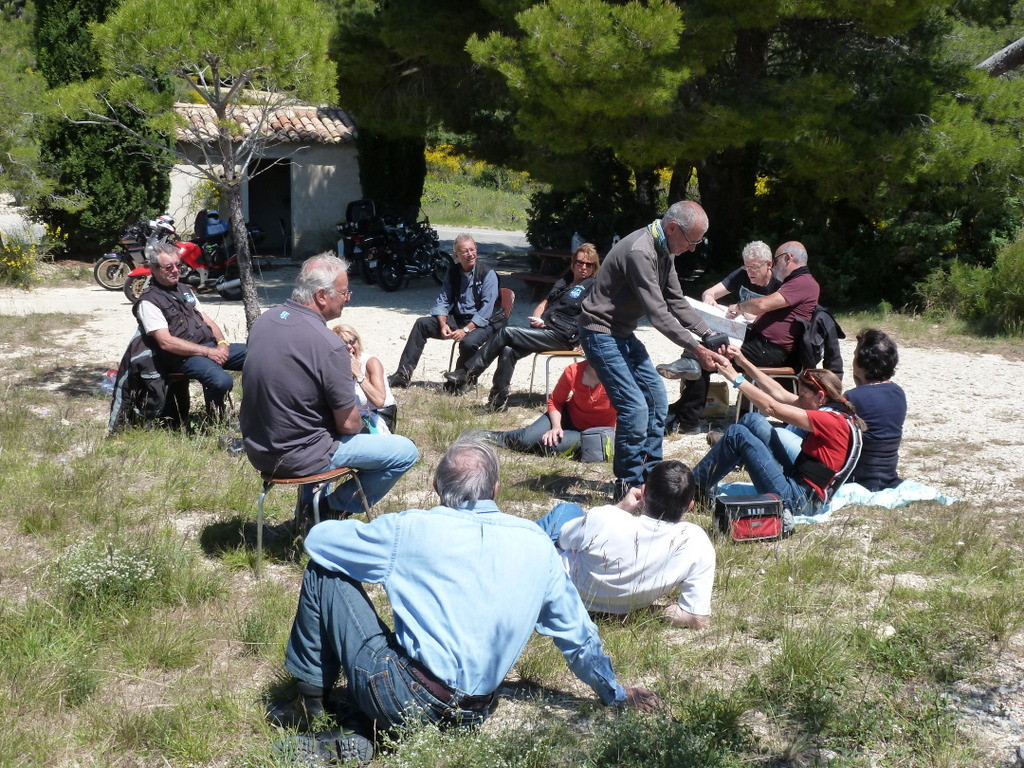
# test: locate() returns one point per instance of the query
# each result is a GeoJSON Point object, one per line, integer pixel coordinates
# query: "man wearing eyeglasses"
{"type": "Point", "coordinates": [300, 415]}
{"type": "Point", "coordinates": [552, 326]}
{"type": "Point", "coordinates": [754, 279]}
{"type": "Point", "coordinates": [187, 340]}
{"type": "Point", "coordinates": [638, 279]}
{"type": "Point", "coordinates": [769, 339]}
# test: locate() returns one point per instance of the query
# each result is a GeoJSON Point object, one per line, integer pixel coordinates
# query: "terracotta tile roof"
{"type": "Point", "coordinates": [295, 123]}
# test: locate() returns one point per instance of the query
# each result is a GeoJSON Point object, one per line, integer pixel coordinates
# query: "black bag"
{"type": "Point", "coordinates": [758, 517]}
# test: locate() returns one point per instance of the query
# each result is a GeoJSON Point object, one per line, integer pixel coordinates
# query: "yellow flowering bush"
{"type": "Point", "coordinates": [21, 251]}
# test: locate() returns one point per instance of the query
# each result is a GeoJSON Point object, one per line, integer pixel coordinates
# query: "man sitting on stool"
{"type": "Point", "coordinates": [467, 584]}
{"type": "Point", "coordinates": [299, 414]}
{"type": "Point", "coordinates": [187, 341]}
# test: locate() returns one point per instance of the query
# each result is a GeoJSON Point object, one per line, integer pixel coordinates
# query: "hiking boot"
{"type": "Point", "coordinates": [497, 401]}
{"type": "Point", "coordinates": [327, 748]}
{"type": "Point", "coordinates": [686, 368]}
{"type": "Point", "coordinates": [399, 380]}
{"type": "Point", "coordinates": [713, 437]}
{"type": "Point", "coordinates": [300, 712]}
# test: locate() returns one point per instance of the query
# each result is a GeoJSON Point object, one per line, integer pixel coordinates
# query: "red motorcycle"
{"type": "Point", "coordinates": [200, 268]}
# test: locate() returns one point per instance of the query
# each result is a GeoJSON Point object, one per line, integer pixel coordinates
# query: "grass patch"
{"type": "Point", "coordinates": [458, 203]}
{"type": "Point", "coordinates": [132, 630]}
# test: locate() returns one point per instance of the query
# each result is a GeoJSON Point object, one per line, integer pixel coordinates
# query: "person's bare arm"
{"type": "Point", "coordinates": [554, 435]}
{"type": "Point", "coordinates": [214, 328]}
{"type": "Point", "coordinates": [765, 403]}
{"type": "Point", "coordinates": [713, 294]}
{"type": "Point", "coordinates": [763, 380]}
{"type": "Point", "coordinates": [678, 617]}
{"type": "Point", "coordinates": [348, 421]}
{"type": "Point", "coordinates": [758, 306]}
{"type": "Point", "coordinates": [175, 346]}
{"type": "Point", "coordinates": [373, 382]}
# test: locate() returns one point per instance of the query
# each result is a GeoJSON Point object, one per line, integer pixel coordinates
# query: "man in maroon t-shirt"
{"type": "Point", "coordinates": [769, 339]}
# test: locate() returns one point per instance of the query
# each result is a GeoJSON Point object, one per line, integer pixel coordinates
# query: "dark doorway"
{"type": "Point", "coordinates": [270, 205]}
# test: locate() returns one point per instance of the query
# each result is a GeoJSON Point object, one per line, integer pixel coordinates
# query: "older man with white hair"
{"type": "Point", "coordinates": [299, 413]}
{"type": "Point", "coordinates": [753, 279]}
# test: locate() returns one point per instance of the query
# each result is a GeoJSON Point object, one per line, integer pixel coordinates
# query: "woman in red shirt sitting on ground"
{"type": "Point", "coordinates": [754, 444]}
{"type": "Point", "coordinates": [577, 402]}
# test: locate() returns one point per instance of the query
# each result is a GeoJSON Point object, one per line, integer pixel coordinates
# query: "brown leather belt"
{"type": "Point", "coordinates": [442, 692]}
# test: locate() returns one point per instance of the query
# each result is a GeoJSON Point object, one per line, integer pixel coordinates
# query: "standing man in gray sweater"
{"type": "Point", "coordinates": [638, 279]}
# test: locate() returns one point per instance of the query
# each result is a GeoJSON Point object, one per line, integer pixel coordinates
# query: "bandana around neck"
{"type": "Point", "coordinates": [660, 244]}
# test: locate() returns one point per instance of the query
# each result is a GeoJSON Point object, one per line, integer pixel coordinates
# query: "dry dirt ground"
{"type": "Point", "coordinates": [962, 435]}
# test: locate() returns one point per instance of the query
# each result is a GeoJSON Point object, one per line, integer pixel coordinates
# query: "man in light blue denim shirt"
{"type": "Point", "coordinates": [468, 585]}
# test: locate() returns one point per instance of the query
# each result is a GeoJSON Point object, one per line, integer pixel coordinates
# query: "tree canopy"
{"type": "Point", "coordinates": [228, 56]}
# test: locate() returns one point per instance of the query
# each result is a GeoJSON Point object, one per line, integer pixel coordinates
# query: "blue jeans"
{"type": "Point", "coordinates": [559, 515]}
{"type": "Point", "coordinates": [756, 445]}
{"type": "Point", "coordinates": [635, 389]}
{"type": "Point", "coordinates": [381, 461]}
{"type": "Point", "coordinates": [337, 630]}
{"type": "Point", "coordinates": [216, 380]}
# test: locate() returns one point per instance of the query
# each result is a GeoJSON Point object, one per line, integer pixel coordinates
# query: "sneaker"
{"type": "Point", "coordinates": [321, 749]}
{"type": "Point", "coordinates": [686, 368]}
{"type": "Point", "coordinates": [713, 437]}
{"type": "Point", "coordinates": [399, 380]}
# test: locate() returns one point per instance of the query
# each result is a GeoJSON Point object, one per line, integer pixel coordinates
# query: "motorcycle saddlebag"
{"type": "Point", "coordinates": [756, 517]}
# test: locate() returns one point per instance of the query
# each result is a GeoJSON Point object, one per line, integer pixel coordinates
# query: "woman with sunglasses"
{"type": "Point", "coordinates": [817, 407]}
{"type": "Point", "coordinates": [373, 393]}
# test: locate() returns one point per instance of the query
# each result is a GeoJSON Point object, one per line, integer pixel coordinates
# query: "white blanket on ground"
{"type": "Point", "coordinates": [853, 493]}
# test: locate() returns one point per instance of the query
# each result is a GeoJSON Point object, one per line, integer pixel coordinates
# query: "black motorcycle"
{"type": "Point", "coordinates": [362, 232]}
{"type": "Point", "coordinates": [411, 251]}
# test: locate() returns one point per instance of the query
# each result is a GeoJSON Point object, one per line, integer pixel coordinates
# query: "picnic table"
{"type": "Point", "coordinates": [551, 266]}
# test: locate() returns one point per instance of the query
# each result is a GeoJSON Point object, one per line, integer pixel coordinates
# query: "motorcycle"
{"type": "Point", "coordinates": [111, 270]}
{"type": "Point", "coordinates": [411, 251]}
{"type": "Point", "coordinates": [201, 267]}
{"type": "Point", "coordinates": [361, 232]}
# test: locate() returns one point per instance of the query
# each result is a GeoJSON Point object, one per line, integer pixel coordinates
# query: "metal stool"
{"type": "Point", "coordinates": [321, 482]}
{"type": "Point", "coordinates": [575, 354]}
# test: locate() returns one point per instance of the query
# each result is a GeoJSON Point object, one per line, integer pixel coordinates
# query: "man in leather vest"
{"type": "Point", "coordinates": [185, 339]}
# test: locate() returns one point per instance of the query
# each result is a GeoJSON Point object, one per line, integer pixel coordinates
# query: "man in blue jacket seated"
{"type": "Point", "coordinates": [468, 585]}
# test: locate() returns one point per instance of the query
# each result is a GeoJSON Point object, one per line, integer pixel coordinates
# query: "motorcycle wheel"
{"type": "Point", "coordinates": [365, 270]}
{"type": "Point", "coordinates": [440, 263]}
{"type": "Point", "coordinates": [134, 286]}
{"type": "Point", "coordinates": [390, 273]}
{"type": "Point", "coordinates": [111, 272]}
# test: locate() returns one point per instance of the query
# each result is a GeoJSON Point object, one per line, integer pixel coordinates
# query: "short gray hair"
{"type": "Point", "coordinates": [460, 238]}
{"type": "Point", "coordinates": [796, 252]}
{"type": "Point", "coordinates": [684, 213]}
{"type": "Point", "coordinates": [468, 472]}
{"type": "Point", "coordinates": [317, 272]}
{"type": "Point", "coordinates": [757, 251]}
{"type": "Point", "coordinates": [158, 250]}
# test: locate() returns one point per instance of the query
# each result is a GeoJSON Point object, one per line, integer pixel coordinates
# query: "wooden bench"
{"type": "Point", "coordinates": [551, 266]}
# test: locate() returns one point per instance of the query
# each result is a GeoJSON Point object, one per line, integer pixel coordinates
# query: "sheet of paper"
{"type": "Point", "coordinates": [717, 321]}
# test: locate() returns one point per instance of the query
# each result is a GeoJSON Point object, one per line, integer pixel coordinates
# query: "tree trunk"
{"type": "Point", "coordinates": [240, 235]}
{"type": "Point", "coordinates": [1003, 61]}
{"type": "Point", "coordinates": [726, 182]}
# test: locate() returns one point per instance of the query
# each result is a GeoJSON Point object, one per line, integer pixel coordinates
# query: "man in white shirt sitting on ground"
{"type": "Point", "coordinates": [621, 561]}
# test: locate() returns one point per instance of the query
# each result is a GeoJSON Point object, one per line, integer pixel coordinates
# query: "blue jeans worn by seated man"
{"type": "Point", "coordinates": [756, 445]}
{"type": "Point", "coordinates": [635, 389]}
{"type": "Point", "coordinates": [216, 380]}
{"type": "Point", "coordinates": [337, 630]}
{"type": "Point", "coordinates": [381, 461]}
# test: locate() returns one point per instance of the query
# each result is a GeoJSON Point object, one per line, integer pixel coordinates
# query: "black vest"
{"type": "Point", "coordinates": [183, 319]}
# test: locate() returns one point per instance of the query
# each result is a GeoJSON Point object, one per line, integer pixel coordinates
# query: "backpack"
{"type": "Point", "coordinates": [140, 390]}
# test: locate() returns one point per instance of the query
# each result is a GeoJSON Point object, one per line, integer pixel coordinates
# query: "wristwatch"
{"type": "Point", "coordinates": [360, 379]}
